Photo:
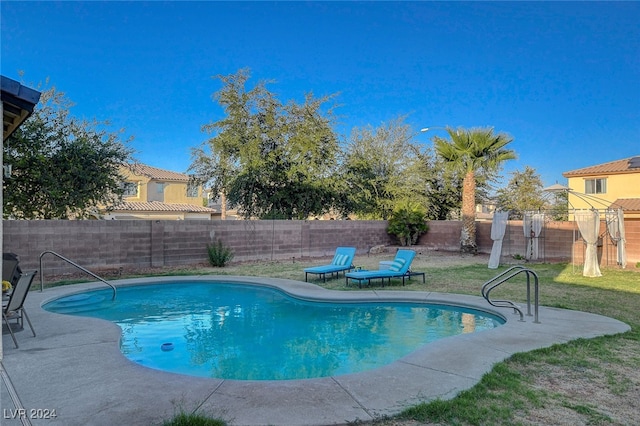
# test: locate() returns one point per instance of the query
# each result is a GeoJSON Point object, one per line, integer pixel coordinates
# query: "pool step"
{"type": "Point", "coordinates": [81, 303]}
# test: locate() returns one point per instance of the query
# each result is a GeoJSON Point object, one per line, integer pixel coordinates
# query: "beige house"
{"type": "Point", "coordinates": [153, 193]}
{"type": "Point", "coordinates": [614, 184]}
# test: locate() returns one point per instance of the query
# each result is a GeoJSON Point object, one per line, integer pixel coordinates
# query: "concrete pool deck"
{"type": "Point", "coordinates": [74, 366]}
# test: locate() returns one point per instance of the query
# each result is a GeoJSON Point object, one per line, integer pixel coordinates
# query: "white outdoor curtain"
{"type": "Point", "coordinates": [615, 227]}
{"type": "Point", "coordinates": [532, 225]}
{"type": "Point", "coordinates": [617, 235]}
{"type": "Point", "coordinates": [498, 227]}
{"type": "Point", "coordinates": [622, 250]}
{"type": "Point", "coordinates": [589, 224]}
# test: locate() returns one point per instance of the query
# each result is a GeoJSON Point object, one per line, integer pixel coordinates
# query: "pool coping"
{"type": "Point", "coordinates": [74, 365]}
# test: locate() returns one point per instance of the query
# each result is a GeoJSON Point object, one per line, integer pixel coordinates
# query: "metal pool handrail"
{"type": "Point", "coordinates": [506, 276]}
{"type": "Point", "coordinates": [74, 264]}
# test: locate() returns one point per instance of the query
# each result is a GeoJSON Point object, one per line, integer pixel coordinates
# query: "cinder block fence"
{"type": "Point", "coordinates": [128, 244]}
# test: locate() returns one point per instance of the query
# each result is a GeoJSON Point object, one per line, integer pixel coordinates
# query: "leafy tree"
{"type": "Point", "coordinates": [442, 186]}
{"type": "Point", "coordinates": [269, 159]}
{"type": "Point", "coordinates": [381, 169]}
{"type": "Point", "coordinates": [559, 205]}
{"type": "Point", "coordinates": [471, 152]}
{"type": "Point", "coordinates": [217, 161]}
{"type": "Point", "coordinates": [62, 167]}
{"type": "Point", "coordinates": [522, 193]}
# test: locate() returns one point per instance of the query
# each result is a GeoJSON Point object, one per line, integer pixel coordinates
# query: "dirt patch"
{"type": "Point", "coordinates": [424, 257]}
{"type": "Point", "coordinates": [598, 393]}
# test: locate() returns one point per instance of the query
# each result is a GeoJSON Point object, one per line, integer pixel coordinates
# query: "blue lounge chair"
{"type": "Point", "coordinates": [342, 261]}
{"type": "Point", "coordinates": [399, 268]}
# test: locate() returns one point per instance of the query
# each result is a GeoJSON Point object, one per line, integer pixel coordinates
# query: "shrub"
{"type": "Point", "coordinates": [219, 254]}
{"type": "Point", "coordinates": [185, 419]}
{"type": "Point", "coordinates": [408, 222]}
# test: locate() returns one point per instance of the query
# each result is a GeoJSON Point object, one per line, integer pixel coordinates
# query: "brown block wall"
{"type": "Point", "coordinates": [110, 245]}
{"type": "Point", "coordinates": [104, 245]}
{"type": "Point", "coordinates": [442, 235]}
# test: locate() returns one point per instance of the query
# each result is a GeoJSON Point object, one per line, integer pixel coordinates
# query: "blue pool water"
{"type": "Point", "coordinates": [249, 332]}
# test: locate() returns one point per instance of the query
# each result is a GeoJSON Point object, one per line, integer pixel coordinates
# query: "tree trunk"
{"type": "Point", "coordinates": [468, 234]}
{"type": "Point", "coordinates": [223, 205]}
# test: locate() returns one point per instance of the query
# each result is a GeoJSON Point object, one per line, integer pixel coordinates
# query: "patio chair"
{"type": "Point", "coordinates": [15, 306]}
{"type": "Point", "coordinates": [10, 268]}
{"type": "Point", "coordinates": [399, 268]}
{"type": "Point", "coordinates": [342, 261]}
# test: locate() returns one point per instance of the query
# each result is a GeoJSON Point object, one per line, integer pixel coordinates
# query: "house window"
{"type": "Point", "coordinates": [160, 187]}
{"type": "Point", "coordinates": [129, 189]}
{"type": "Point", "coordinates": [192, 189]}
{"type": "Point", "coordinates": [595, 186]}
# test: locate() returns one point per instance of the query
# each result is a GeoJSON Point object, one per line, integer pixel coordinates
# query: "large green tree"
{"type": "Point", "coordinates": [216, 162]}
{"type": "Point", "coordinates": [443, 189]}
{"type": "Point", "coordinates": [471, 152]}
{"type": "Point", "coordinates": [525, 191]}
{"type": "Point", "coordinates": [522, 193]}
{"type": "Point", "coordinates": [382, 168]}
{"type": "Point", "coordinates": [267, 158]}
{"type": "Point", "coordinates": [62, 167]}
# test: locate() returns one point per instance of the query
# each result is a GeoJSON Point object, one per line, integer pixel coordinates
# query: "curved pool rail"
{"type": "Point", "coordinates": [81, 357]}
{"type": "Point", "coordinates": [507, 275]}
{"type": "Point", "coordinates": [72, 263]}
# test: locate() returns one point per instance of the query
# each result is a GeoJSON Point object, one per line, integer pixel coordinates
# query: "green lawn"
{"type": "Point", "coordinates": [590, 382]}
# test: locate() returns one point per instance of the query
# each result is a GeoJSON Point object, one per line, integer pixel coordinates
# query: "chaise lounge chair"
{"type": "Point", "coordinates": [342, 261]}
{"type": "Point", "coordinates": [14, 308]}
{"type": "Point", "coordinates": [399, 269]}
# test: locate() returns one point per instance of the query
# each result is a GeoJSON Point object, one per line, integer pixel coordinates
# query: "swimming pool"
{"type": "Point", "coordinates": [245, 331]}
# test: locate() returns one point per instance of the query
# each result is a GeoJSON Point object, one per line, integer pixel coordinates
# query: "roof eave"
{"type": "Point", "coordinates": [590, 174]}
{"type": "Point", "coordinates": [18, 102]}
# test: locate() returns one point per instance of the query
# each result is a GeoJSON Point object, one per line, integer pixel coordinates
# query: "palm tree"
{"type": "Point", "coordinates": [469, 152]}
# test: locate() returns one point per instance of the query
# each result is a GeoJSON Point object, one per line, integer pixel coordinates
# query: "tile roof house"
{"type": "Point", "coordinates": [153, 193]}
{"type": "Point", "coordinates": [614, 184]}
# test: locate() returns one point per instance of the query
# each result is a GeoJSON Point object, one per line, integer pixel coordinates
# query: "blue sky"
{"type": "Point", "coordinates": [562, 78]}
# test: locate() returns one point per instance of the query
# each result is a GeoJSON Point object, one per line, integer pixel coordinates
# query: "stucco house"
{"type": "Point", "coordinates": [614, 184]}
{"type": "Point", "coordinates": [153, 193]}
